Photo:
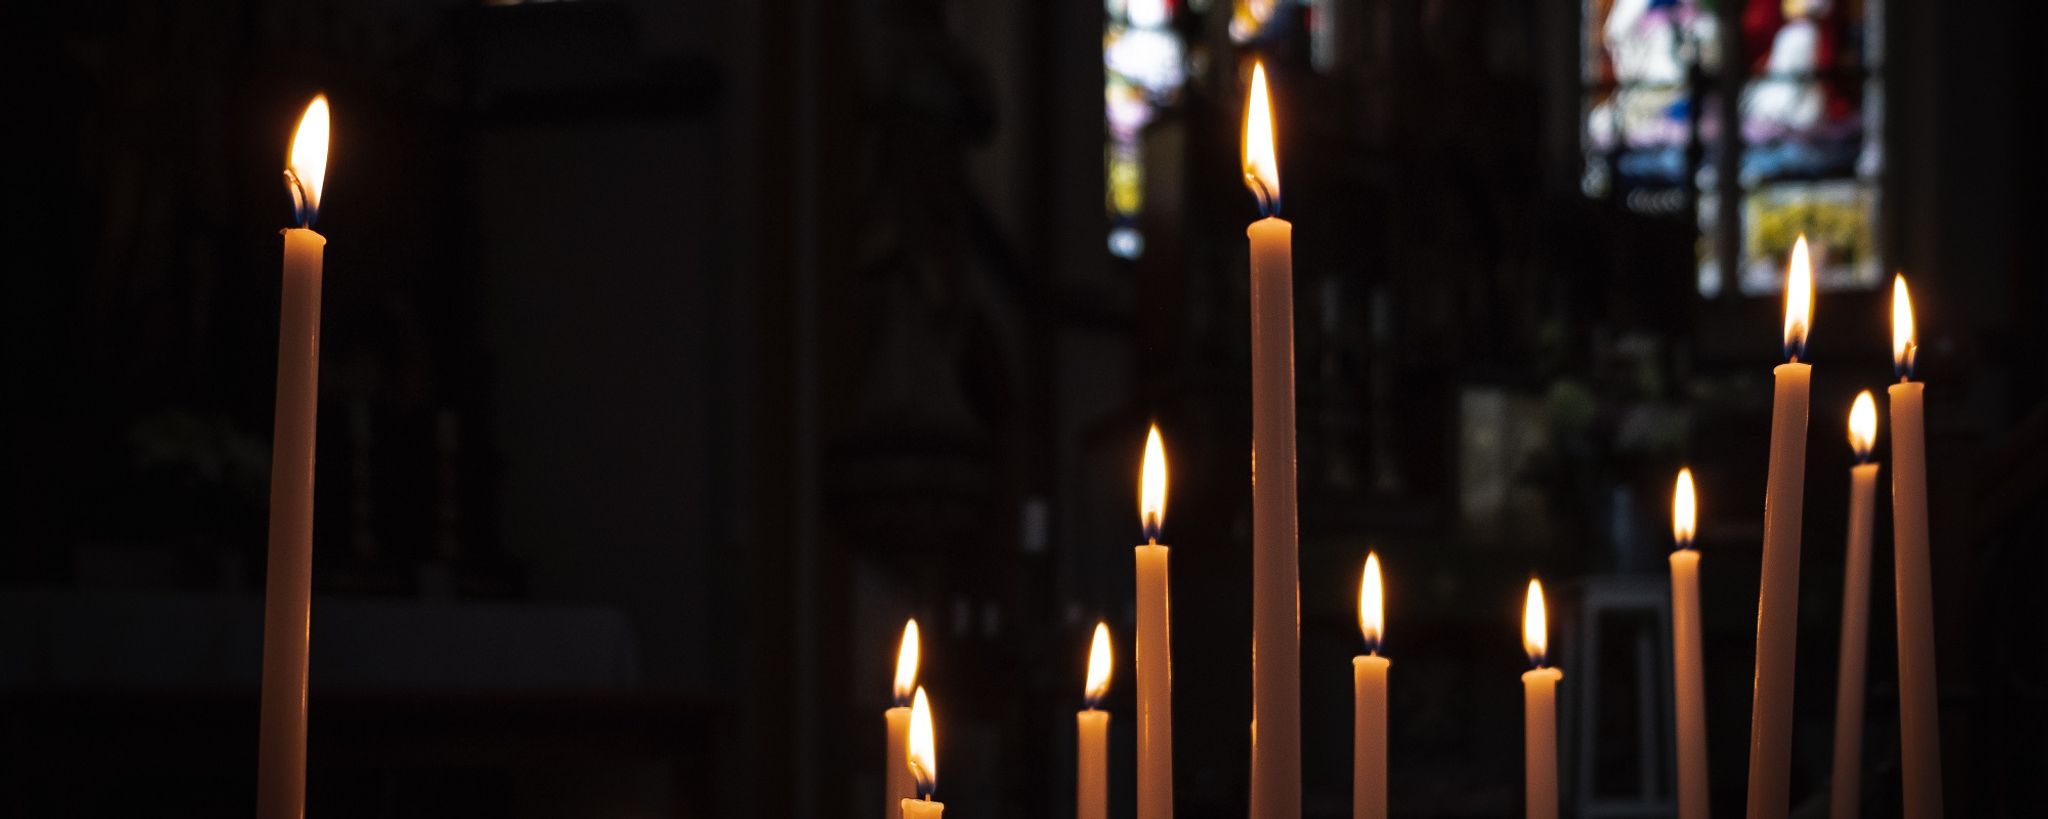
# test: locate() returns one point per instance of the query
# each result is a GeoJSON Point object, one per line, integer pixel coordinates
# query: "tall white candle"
{"type": "Point", "coordinates": [1276, 579]}
{"type": "Point", "coordinates": [1369, 709]}
{"type": "Point", "coordinates": [1091, 735]}
{"type": "Point", "coordinates": [1846, 787]}
{"type": "Point", "coordinates": [288, 578]}
{"type": "Point", "coordinates": [1777, 616]}
{"type": "Point", "coordinates": [924, 762]}
{"type": "Point", "coordinates": [897, 783]}
{"type": "Point", "coordinates": [1919, 715]}
{"type": "Point", "coordinates": [1155, 641]}
{"type": "Point", "coordinates": [1689, 683]}
{"type": "Point", "coordinates": [1539, 712]}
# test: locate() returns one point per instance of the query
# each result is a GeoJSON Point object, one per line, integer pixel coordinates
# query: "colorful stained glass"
{"type": "Point", "coordinates": [1641, 56]}
{"type": "Point", "coordinates": [1809, 115]}
{"type": "Point", "coordinates": [1144, 65]}
{"type": "Point", "coordinates": [1812, 153]}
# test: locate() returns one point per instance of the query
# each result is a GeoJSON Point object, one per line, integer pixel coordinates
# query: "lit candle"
{"type": "Point", "coordinates": [1155, 641]}
{"type": "Point", "coordinates": [288, 580]}
{"type": "Point", "coordinates": [1847, 784]}
{"type": "Point", "coordinates": [1276, 586]}
{"type": "Point", "coordinates": [1091, 735]}
{"type": "Point", "coordinates": [1369, 711]}
{"type": "Point", "coordinates": [1919, 722]}
{"type": "Point", "coordinates": [896, 778]}
{"type": "Point", "coordinates": [924, 762]}
{"type": "Point", "coordinates": [1777, 615]}
{"type": "Point", "coordinates": [1539, 712]}
{"type": "Point", "coordinates": [1689, 684]}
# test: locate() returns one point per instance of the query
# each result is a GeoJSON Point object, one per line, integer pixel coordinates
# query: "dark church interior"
{"type": "Point", "coordinates": [674, 353]}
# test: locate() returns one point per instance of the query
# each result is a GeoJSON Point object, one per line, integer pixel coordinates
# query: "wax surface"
{"type": "Point", "coordinates": [923, 809]}
{"type": "Point", "coordinates": [1919, 721]}
{"type": "Point", "coordinates": [1091, 764]}
{"type": "Point", "coordinates": [1846, 788]}
{"type": "Point", "coordinates": [898, 782]}
{"type": "Point", "coordinates": [1689, 684]}
{"type": "Point", "coordinates": [1369, 737]}
{"type": "Point", "coordinates": [288, 579]}
{"type": "Point", "coordinates": [1276, 579]}
{"type": "Point", "coordinates": [1155, 684]}
{"type": "Point", "coordinates": [1777, 616]}
{"type": "Point", "coordinates": [1539, 740]}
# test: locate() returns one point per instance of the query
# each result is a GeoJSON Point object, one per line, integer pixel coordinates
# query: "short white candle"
{"type": "Point", "coordinates": [1539, 712]}
{"type": "Point", "coordinates": [897, 782]}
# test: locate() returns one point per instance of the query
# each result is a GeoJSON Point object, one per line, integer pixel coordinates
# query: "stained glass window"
{"type": "Point", "coordinates": [1143, 71]}
{"type": "Point", "coordinates": [1811, 141]}
{"type": "Point", "coordinates": [1809, 118]}
{"type": "Point", "coordinates": [1644, 72]}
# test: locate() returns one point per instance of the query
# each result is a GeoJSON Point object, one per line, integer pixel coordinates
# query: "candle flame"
{"type": "Point", "coordinates": [305, 170]}
{"type": "Point", "coordinates": [906, 663]}
{"type": "Point", "coordinates": [1905, 344]}
{"type": "Point", "coordinates": [1798, 299]}
{"type": "Point", "coordinates": [1261, 164]}
{"type": "Point", "coordinates": [1371, 606]}
{"type": "Point", "coordinates": [1098, 666]}
{"type": "Point", "coordinates": [923, 752]}
{"type": "Point", "coordinates": [1535, 628]}
{"type": "Point", "coordinates": [1152, 487]}
{"type": "Point", "coordinates": [1863, 425]}
{"type": "Point", "coordinates": [1684, 510]}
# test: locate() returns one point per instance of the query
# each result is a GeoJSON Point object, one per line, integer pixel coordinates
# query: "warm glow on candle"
{"type": "Point", "coordinates": [1798, 299]}
{"type": "Point", "coordinates": [1261, 163]}
{"type": "Point", "coordinates": [1535, 627]}
{"type": "Point", "coordinates": [306, 169]}
{"type": "Point", "coordinates": [1905, 345]}
{"type": "Point", "coordinates": [1098, 665]}
{"type": "Point", "coordinates": [1863, 425]}
{"type": "Point", "coordinates": [1152, 486]}
{"type": "Point", "coordinates": [1684, 511]}
{"type": "Point", "coordinates": [906, 663]}
{"type": "Point", "coordinates": [1371, 608]}
{"type": "Point", "coordinates": [924, 753]}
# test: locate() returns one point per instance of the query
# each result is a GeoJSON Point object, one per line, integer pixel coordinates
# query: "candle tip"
{"type": "Point", "coordinates": [923, 752]}
{"type": "Point", "coordinates": [1684, 510]}
{"type": "Point", "coordinates": [1798, 299]}
{"type": "Point", "coordinates": [1261, 161]}
{"type": "Point", "coordinates": [1535, 625]}
{"type": "Point", "coordinates": [1905, 342]}
{"type": "Point", "coordinates": [1152, 487]}
{"type": "Point", "coordinates": [1371, 605]}
{"type": "Point", "coordinates": [305, 170]}
{"type": "Point", "coordinates": [1863, 425]}
{"type": "Point", "coordinates": [1098, 666]}
{"type": "Point", "coordinates": [906, 662]}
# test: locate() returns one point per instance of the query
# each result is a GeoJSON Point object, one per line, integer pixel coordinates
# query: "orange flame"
{"type": "Point", "coordinates": [923, 752]}
{"type": "Point", "coordinates": [1152, 487]}
{"type": "Point", "coordinates": [1098, 666]}
{"type": "Point", "coordinates": [1535, 627]}
{"type": "Point", "coordinates": [906, 663]}
{"type": "Point", "coordinates": [1371, 605]}
{"type": "Point", "coordinates": [1261, 163]}
{"type": "Point", "coordinates": [1905, 344]}
{"type": "Point", "coordinates": [1798, 299]}
{"type": "Point", "coordinates": [1684, 510]}
{"type": "Point", "coordinates": [1863, 425]}
{"type": "Point", "coordinates": [305, 169]}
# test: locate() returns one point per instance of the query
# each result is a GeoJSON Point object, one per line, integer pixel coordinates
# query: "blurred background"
{"type": "Point", "coordinates": [676, 352]}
